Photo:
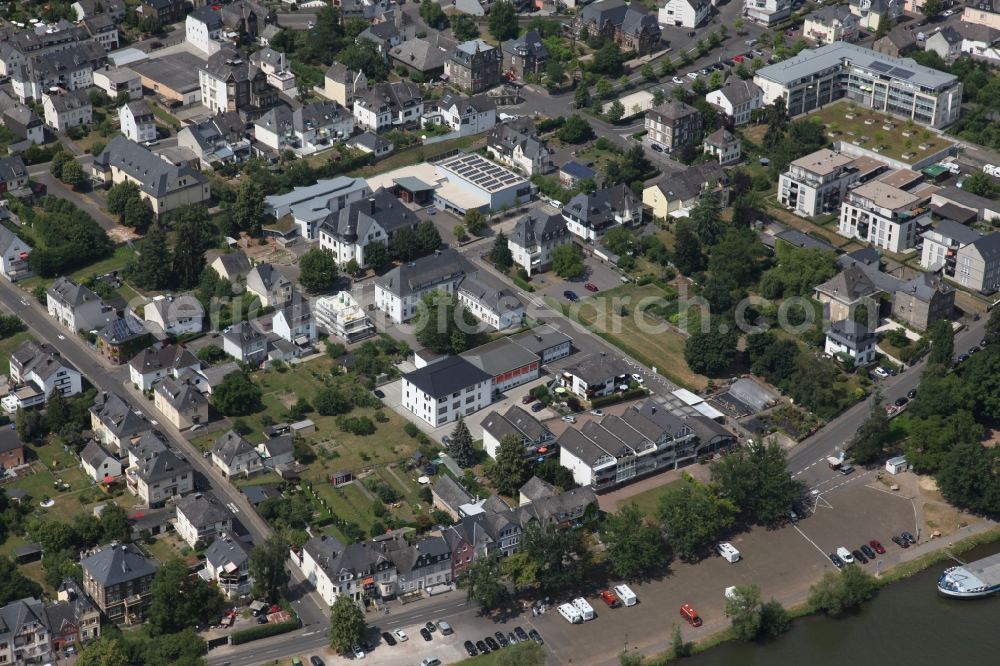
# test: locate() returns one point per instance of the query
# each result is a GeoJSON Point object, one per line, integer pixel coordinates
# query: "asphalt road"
{"type": "Point", "coordinates": [305, 601]}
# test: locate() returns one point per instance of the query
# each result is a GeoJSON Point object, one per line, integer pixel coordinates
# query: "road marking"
{"type": "Point", "coordinates": [814, 545]}
{"type": "Point", "coordinates": [233, 507]}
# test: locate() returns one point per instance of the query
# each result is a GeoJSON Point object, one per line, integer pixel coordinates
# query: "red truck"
{"type": "Point", "coordinates": [609, 597]}
{"type": "Point", "coordinates": [691, 615]}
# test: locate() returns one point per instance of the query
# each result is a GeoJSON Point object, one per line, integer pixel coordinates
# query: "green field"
{"type": "Point", "coordinates": [638, 334]}
{"type": "Point", "coordinates": [649, 501]}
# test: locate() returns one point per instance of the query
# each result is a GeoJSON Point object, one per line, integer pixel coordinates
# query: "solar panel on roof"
{"type": "Point", "coordinates": [880, 66]}
{"type": "Point", "coordinates": [901, 73]}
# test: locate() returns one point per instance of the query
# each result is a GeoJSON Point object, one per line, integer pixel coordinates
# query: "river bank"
{"type": "Point", "coordinates": [912, 580]}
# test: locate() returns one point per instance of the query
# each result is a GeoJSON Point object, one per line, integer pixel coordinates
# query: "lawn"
{"type": "Point", "coordinates": [165, 548]}
{"type": "Point", "coordinates": [649, 501]}
{"type": "Point", "coordinates": [638, 334]}
{"type": "Point", "coordinates": [868, 129]}
{"type": "Point", "coordinates": [117, 261]}
{"type": "Point", "coordinates": [7, 345]}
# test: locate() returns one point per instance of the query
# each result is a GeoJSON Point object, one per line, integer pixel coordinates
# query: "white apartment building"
{"type": "Point", "coordinates": [737, 99]}
{"type": "Point", "coordinates": [36, 370]}
{"type": "Point", "coordinates": [137, 121]}
{"type": "Point", "coordinates": [471, 115]}
{"type": "Point", "coordinates": [203, 29]}
{"type": "Point", "coordinates": [312, 205]}
{"type": "Point", "coordinates": [852, 339]}
{"type": "Point", "coordinates": [767, 12]}
{"type": "Point", "coordinates": [897, 86]}
{"type": "Point", "coordinates": [883, 215]}
{"type": "Point", "coordinates": [389, 104]}
{"type": "Point", "coordinates": [398, 292]}
{"type": "Point", "coordinates": [534, 238]}
{"type": "Point", "coordinates": [684, 13]}
{"type": "Point", "coordinates": [978, 264]}
{"type": "Point", "coordinates": [295, 323]}
{"type": "Point", "coordinates": [443, 391]}
{"type": "Point", "coordinates": [65, 109]}
{"type": "Point", "coordinates": [120, 80]}
{"type": "Point", "coordinates": [340, 315]}
{"type": "Point", "coordinates": [202, 518]}
{"type": "Point", "coordinates": [816, 183]}
{"type": "Point", "coordinates": [346, 232]}
{"type": "Point", "coordinates": [76, 307]}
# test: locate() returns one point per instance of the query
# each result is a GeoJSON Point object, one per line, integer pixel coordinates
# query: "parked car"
{"type": "Point", "coordinates": [590, 286]}
{"type": "Point", "coordinates": [611, 599]}
{"type": "Point", "coordinates": [316, 661]}
{"type": "Point", "coordinates": [678, 80]}
{"type": "Point", "coordinates": [597, 412]}
{"type": "Point", "coordinates": [846, 469]}
{"type": "Point", "coordinates": [867, 550]}
{"type": "Point", "coordinates": [492, 643]}
{"type": "Point", "coordinates": [859, 556]}
{"type": "Point", "coordinates": [569, 419]}
{"type": "Point", "coordinates": [845, 555]}
{"type": "Point", "coordinates": [877, 546]}
{"type": "Point", "coordinates": [430, 626]}
{"type": "Point", "coordinates": [692, 75]}
{"type": "Point", "coordinates": [401, 636]}
{"type": "Point", "coordinates": [972, 350]}
{"type": "Point", "coordinates": [387, 637]}
{"type": "Point", "coordinates": [527, 399]}
{"type": "Point", "coordinates": [358, 652]}
{"type": "Point", "coordinates": [900, 401]}
{"type": "Point", "coordinates": [837, 562]}
{"type": "Point", "coordinates": [911, 394]}
{"type": "Point", "coordinates": [901, 542]}
{"type": "Point", "coordinates": [535, 636]}
{"type": "Point", "coordinates": [512, 639]}
{"type": "Point", "coordinates": [656, 147]}
{"type": "Point", "coordinates": [636, 377]}
{"type": "Point", "coordinates": [482, 647]}
{"type": "Point", "coordinates": [445, 628]}
{"type": "Point", "coordinates": [378, 393]}
{"type": "Point", "coordinates": [501, 639]}
{"type": "Point", "coordinates": [909, 538]}
{"type": "Point", "coordinates": [521, 633]}
{"type": "Point", "coordinates": [880, 372]}
{"type": "Point", "coordinates": [470, 648]}
{"type": "Point", "coordinates": [262, 619]}
{"type": "Point", "coordinates": [538, 406]}
{"type": "Point", "coordinates": [426, 635]}
{"type": "Point", "coordinates": [570, 296]}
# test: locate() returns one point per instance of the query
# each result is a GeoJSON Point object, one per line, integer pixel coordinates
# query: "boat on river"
{"type": "Point", "coordinates": [971, 581]}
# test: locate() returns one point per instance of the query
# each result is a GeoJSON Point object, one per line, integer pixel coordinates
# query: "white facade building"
{"type": "Point", "coordinates": [684, 13]}
{"type": "Point", "coordinates": [767, 12]}
{"type": "Point", "coordinates": [883, 215]}
{"type": "Point", "coordinates": [737, 99]}
{"type": "Point", "coordinates": [203, 29]}
{"type": "Point", "coordinates": [441, 392]}
{"type": "Point", "coordinates": [340, 315]}
{"type": "Point", "coordinates": [534, 238]}
{"type": "Point", "coordinates": [398, 292]}
{"type": "Point", "coordinates": [137, 122]}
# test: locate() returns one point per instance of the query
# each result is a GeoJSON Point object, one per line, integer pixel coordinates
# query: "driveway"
{"type": "Point", "coordinates": [601, 274]}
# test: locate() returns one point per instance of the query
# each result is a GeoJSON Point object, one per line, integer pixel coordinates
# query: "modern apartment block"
{"type": "Point", "coordinates": [767, 12]}
{"type": "Point", "coordinates": [883, 215]}
{"type": "Point", "coordinates": [816, 183]}
{"type": "Point", "coordinates": [897, 86]}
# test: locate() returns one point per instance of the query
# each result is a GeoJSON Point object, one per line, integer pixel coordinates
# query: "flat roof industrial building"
{"type": "Point", "coordinates": [174, 77]}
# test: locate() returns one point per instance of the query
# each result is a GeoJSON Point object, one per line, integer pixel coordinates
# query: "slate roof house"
{"type": "Point", "coordinates": [525, 55]}
{"type": "Point", "coordinates": [515, 145]}
{"type": "Point", "coordinates": [117, 577]}
{"type": "Point", "coordinates": [180, 402]}
{"type": "Point", "coordinates": [269, 285]}
{"type": "Point", "coordinates": [202, 518]}
{"type": "Point", "coordinates": [154, 363]}
{"type": "Point", "coordinates": [348, 231]}
{"type": "Point", "coordinates": [115, 422]}
{"type": "Point", "coordinates": [73, 618]}
{"type": "Point", "coordinates": [122, 338]}
{"type": "Point", "coordinates": [629, 26]}
{"type": "Point", "coordinates": [245, 343]}
{"type": "Point", "coordinates": [100, 466]}
{"type": "Point", "coordinates": [75, 306]}
{"type": "Point", "coordinates": [228, 564]}
{"type": "Point", "coordinates": [590, 216]}
{"type": "Point", "coordinates": [923, 300]}
{"type": "Point", "coordinates": [24, 632]}
{"type": "Point", "coordinates": [235, 456]}
{"type": "Point", "coordinates": [474, 66]}
{"type": "Point", "coordinates": [158, 474]}
{"type": "Point", "coordinates": [534, 237]}
{"type": "Point", "coordinates": [852, 339]}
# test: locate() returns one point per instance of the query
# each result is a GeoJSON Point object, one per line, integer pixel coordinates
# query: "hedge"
{"type": "Point", "coordinates": [617, 397]}
{"type": "Point", "coordinates": [263, 631]}
{"type": "Point", "coordinates": [523, 284]}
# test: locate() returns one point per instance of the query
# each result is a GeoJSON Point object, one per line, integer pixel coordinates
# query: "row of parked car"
{"type": "Point", "coordinates": [869, 551]}
{"type": "Point", "coordinates": [499, 640]}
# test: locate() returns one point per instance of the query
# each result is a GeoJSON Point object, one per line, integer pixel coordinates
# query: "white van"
{"type": "Point", "coordinates": [586, 610]}
{"type": "Point", "coordinates": [626, 594]}
{"type": "Point", "coordinates": [570, 613]}
{"type": "Point", "coordinates": [845, 555]}
{"type": "Point", "coordinates": [728, 551]}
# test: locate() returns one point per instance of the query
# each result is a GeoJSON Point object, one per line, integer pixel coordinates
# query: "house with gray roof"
{"type": "Point", "coordinates": [159, 361]}
{"type": "Point", "coordinates": [463, 115]}
{"type": "Point", "coordinates": [851, 339]}
{"type": "Point", "coordinates": [36, 370]}
{"type": "Point", "coordinates": [375, 218]}
{"type": "Point", "coordinates": [122, 338]}
{"type": "Point", "coordinates": [985, 209]}
{"type": "Point", "coordinates": [227, 562]}
{"type": "Point", "coordinates": [424, 55]}
{"type": "Point", "coordinates": [941, 245]}
{"type": "Point", "coordinates": [509, 363]}
{"type": "Point", "coordinates": [924, 300]}
{"type": "Point", "coordinates": [23, 122]}
{"type": "Point", "coordinates": [234, 83]}
{"type": "Point", "coordinates": [515, 144]}
{"type": "Point", "coordinates": [24, 632]}
{"type": "Point", "coordinates": [534, 238]}
{"type": "Point", "coordinates": [548, 342]}
{"type": "Point", "coordinates": [420, 565]}
{"type": "Point", "coordinates": [117, 578]}
{"type": "Point", "coordinates": [116, 423]}
{"type": "Point", "coordinates": [174, 315]}
{"type": "Point", "coordinates": [446, 390]}
{"type": "Point", "coordinates": [518, 422]}
{"type": "Point", "coordinates": [474, 66]}
{"type": "Point", "coordinates": [525, 55]}
{"type": "Point", "coordinates": [398, 291]}
{"type": "Point", "coordinates": [180, 402]}
{"type": "Point", "coordinates": [842, 293]}
{"type": "Point", "coordinates": [232, 265]}
{"type": "Point", "coordinates": [158, 474]}
{"type": "Point", "coordinates": [14, 252]}
{"type": "Point", "coordinates": [978, 264]}
{"type": "Point", "coordinates": [202, 517]}
{"type": "Point", "coordinates": [627, 24]}
{"type": "Point", "coordinates": [449, 496]}
{"type": "Point", "coordinates": [305, 130]}
{"type": "Point", "coordinates": [72, 619]}
{"type": "Point", "coordinates": [76, 307]}
{"type": "Point", "coordinates": [99, 464]}
{"type": "Point", "coordinates": [737, 99]}
{"type": "Point", "coordinates": [164, 185]}
{"type": "Point", "coordinates": [277, 451]}
{"type": "Point", "coordinates": [491, 301]}
{"type": "Point", "coordinates": [591, 376]}
{"type": "Point", "coordinates": [244, 342]}
{"type": "Point", "coordinates": [355, 570]}
{"type": "Point", "coordinates": [312, 205]}
{"type": "Point", "coordinates": [235, 456]}
{"type": "Point", "coordinates": [213, 143]}
{"type": "Point", "coordinates": [590, 216]}
{"type": "Point", "coordinates": [268, 284]}
{"type": "Point", "coordinates": [388, 105]}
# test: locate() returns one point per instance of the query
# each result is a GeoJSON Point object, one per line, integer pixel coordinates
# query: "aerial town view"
{"type": "Point", "coordinates": [499, 332]}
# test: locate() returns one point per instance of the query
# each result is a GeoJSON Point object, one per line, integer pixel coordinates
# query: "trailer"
{"type": "Point", "coordinates": [570, 613]}
{"type": "Point", "coordinates": [586, 610]}
{"type": "Point", "coordinates": [729, 552]}
{"type": "Point", "coordinates": [626, 594]}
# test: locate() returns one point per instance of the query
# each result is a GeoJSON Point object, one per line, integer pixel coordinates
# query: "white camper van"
{"type": "Point", "coordinates": [570, 613]}
{"type": "Point", "coordinates": [586, 610]}
{"type": "Point", "coordinates": [626, 594]}
{"type": "Point", "coordinates": [728, 551]}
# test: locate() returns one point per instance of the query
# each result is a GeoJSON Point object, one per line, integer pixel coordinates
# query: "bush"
{"type": "Point", "coordinates": [631, 394]}
{"type": "Point", "coordinates": [411, 429]}
{"type": "Point", "coordinates": [264, 631]}
{"type": "Point", "coordinates": [356, 425]}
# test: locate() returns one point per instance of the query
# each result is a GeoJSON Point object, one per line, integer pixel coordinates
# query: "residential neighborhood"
{"type": "Point", "coordinates": [329, 325]}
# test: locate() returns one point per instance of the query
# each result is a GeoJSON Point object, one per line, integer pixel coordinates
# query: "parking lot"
{"type": "Point", "coordinates": [783, 562]}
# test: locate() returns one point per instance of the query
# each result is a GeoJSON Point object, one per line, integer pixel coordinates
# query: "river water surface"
{"type": "Point", "coordinates": [908, 623]}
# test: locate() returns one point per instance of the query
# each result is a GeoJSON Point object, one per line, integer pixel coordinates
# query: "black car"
{"type": "Point", "coordinates": [963, 358]}
{"type": "Point", "coordinates": [316, 661]}
{"type": "Point", "coordinates": [972, 350]}
{"type": "Point", "coordinates": [470, 648]}
{"type": "Point", "coordinates": [430, 627]}
{"type": "Point", "coordinates": [570, 296]}
{"type": "Point", "coordinates": [837, 562]}
{"type": "Point", "coordinates": [262, 619]}
{"type": "Point", "coordinates": [378, 393]}
{"type": "Point", "coordinates": [490, 641]}
{"type": "Point", "coordinates": [512, 639]}
{"type": "Point", "coordinates": [900, 401]}
{"type": "Point", "coordinates": [426, 635]}
{"type": "Point", "coordinates": [911, 394]}
{"type": "Point", "coordinates": [481, 646]}
{"type": "Point", "coordinates": [901, 542]}
{"type": "Point", "coordinates": [388, 638]}
{"type": "Point", "coordinates": [521, 633]}
{"type": "Point", "coordinates": [501, 639]}
{"type": "Point", "coordinates": [867, 550]}
{"type": "Point", "coordinates": [983, 342]}
{"type": "Point", "coordinates": [859, 556]}
{"type": "Point", "coordinates": [535, 636]}
{"type": "Point", "coordinates": [538, 406]}
{"type": "Point", "coordinates": [909, 537]}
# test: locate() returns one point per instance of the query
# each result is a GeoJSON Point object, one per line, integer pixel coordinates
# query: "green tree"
{"type": "Point", "coordinates": [710, 353]}
{"type": "Point", "coordinates": [463, 26]}
{"type": "Point", "coordinates": [151, 270]}
{"type": "Point", "coordinates": [59, 160]}
{"type": "Point", "coordinates": [460, 445]}
{"type": "Point", "coordinates": [736, 256]}
{"type": "Point", "coordinates": [755, 479]}
{"type": "Point", "coordinates": [475, 221]}
{"type": "Point", "coordinates": [484, 584]}
{"type": "Point", "coordinates": [866, 446]}
{"type": "Point", "coordinates": [522, 654]}
{"type": "Point", "coordinates": [942, 338]}
{"type": "Point", "coordinates": [318, 271]}
{"type": "Point", "coordinates": [561, 556]}
{"type": "Point", "coordinates": [363, 55]}
{"type": "Point", "coordinates": [774, 620]}
{"type": "Point", "coordinates": [185, 648]}
{"type": "Point", "coordinates": [615, 111]}
{"type": "Point", "coordinates": [969, 477]}
{"type": "Point", "coordinates": [567, 261]}
{"type": "Point", "coordinates": [510, 469]}
{"type": "Point", "coordinates": [932, 8]}
{"type": "Point", "coordinates": [581, 98]}
{"type": "Point", "coordinates": [433, 15]}
{"type": "Point", "coordinates": [237, 395]}
{"type": "Point", "coordinates": [13, 584]}
{"type": "Point", "coordinates": [575, 130]}
{"type": "Point", "coordinates": [347, 624]}
{"type": "Point", "coordinates": [194, 235]}
{"type": "Point", "coordinates": [330, 401]}
{"type": "Point", "coordinates": [138, 214]}
{"type": "Point", "coordinates": [555, 72]}
{"type": "Point", "coordinates": [838, 592]}
{"type": "Point", "coordinates": [72, 174]}
{"type": "Point", "coordinates": [687, 255]}
{"type": "Point", "coordinates": [376, 255]}
{"type": "Point", "coordinates": [743, 608]}
{"type": "Point", "coordinates": [114, 524]}
{"type": "Point", "coordinates": [981, 184]}
{"type": "Point", "coordinates": [444, 325]}
{"type": "Point", "coordinates": [634, 547]}
{"type": "Point", "coordinates": [56, 411]}
{"type": "Point", "coordinates": [268, 569]}
{"type": "Point", "coordinates": [603, 88]}
{"type": "Point", "coordinates": [667, 67]}
{"type": "Point", "coordinates": [103, 652]}
{"type": "Point", "coordinates": [608, 59]}
{"type": "Point", "coordinates": [246, 211]}
{"type": "Point", "coordinates": [180, 600]}
{"type": "Point", "coordinates": [694, 518]}
{"type": "Point", "coordinates": [647, 72]}
{"type": "Point", "coordinates": [500, 254]}
{"type": "Point", "coordinates": [679, 648]}
{"type": "Point", "coordinates": [933, 437]}
{"type": "Point", "coordinates": [520, 570]}
{"type": "Point", "coordinates": [706, 218]}
{"type": "Point", "coordinates": [503, 21]}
